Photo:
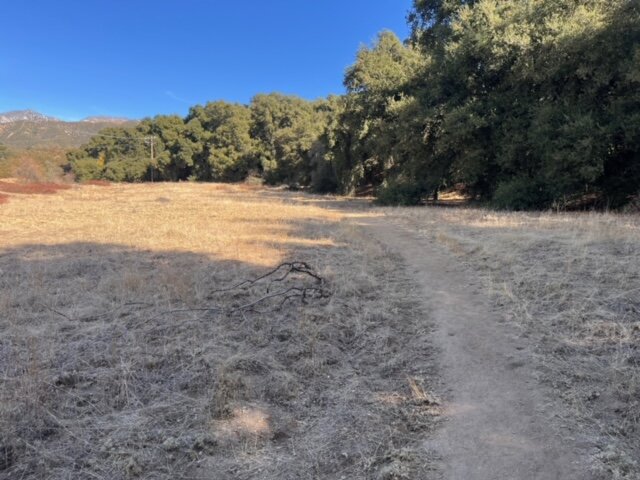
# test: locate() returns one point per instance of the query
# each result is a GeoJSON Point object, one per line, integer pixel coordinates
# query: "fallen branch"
{"type": "Point", "coordinates": [287, 269]}
{"type": "Point", "coordinates": [288, 294]}
{"type": "Point", "coordinates": [277, 275]}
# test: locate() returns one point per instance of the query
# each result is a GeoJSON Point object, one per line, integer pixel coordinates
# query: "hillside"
{"type": "Point", "coordinates": [27, 129]}
{"type": "Point", "coordinates": [24, 115]}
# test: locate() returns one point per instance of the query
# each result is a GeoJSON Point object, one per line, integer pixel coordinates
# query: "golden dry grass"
{"type": "Point", "coordinates": [107, 372]}
{"type": "Point", "coordinates": [572, 283]}
{"type": "Point", "coordinates": [217, 221]}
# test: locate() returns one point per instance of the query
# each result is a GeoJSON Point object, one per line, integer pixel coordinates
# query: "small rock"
{"type": "Point", "coordinates": [171, 444]}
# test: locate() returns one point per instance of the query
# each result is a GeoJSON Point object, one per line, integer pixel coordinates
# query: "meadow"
{"type": "Point", "coordinates": [183, 330]}
{"type": "Point", "coordinates": [125, 351]}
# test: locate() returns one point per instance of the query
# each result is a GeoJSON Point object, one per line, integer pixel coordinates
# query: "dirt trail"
{"type": "Point", "coordinates": [499, 421]}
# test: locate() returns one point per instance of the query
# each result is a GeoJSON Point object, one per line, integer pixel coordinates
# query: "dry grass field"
{"type": "Point", "coordinates": [132, 347]}
{"type": "Point", "coordinates": [120, 356]}
{"type": "Point", "coordinates": [571, 283]}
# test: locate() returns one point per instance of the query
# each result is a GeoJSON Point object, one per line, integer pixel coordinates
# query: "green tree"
{"type": "Point", "coordinates": [116, 154]}
{"type": "Point", "coordinates": [381, 130]}
{"type": "Point", "coordinates": [173, 148]}
{"type": "Point", "coordinates": [223, 131]}
{"type": "Point", "coordinates": [526, 104]}
{"type": "Point", "coordinates": [285, 129]}
{"type": "Point", "coordinates": [534, 102]}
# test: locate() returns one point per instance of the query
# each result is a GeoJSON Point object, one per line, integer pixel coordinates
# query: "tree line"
{"type": "Point", "coordinates": [522, 104]}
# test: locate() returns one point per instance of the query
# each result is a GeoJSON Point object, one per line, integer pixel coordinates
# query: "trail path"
{"type": "Point", "coordinates": [499, 422]}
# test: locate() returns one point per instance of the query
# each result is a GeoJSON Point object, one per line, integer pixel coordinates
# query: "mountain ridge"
{"type": "Point", "coordinates": [106, 119]}
{"type": "Point", "coordinates": [29, 129]}
{"type": "Point", "coordinates": [30, 115]}
{"type": "Point", "coordinates": [25, 115]}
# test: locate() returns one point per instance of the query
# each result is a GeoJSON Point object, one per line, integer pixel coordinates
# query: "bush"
{"type": "Point", "coordinates": [86, 169]}
{"type": "Point", "coordinates": [400, 192]}
{"type": "Point", "coordinates": [522, 193]}
{"type": "Point", "coordinates": [28, 169]}
{"type": "Point", "coordinates": [126, 170]}
{"type": "Point", "coordinates": [634, 205]}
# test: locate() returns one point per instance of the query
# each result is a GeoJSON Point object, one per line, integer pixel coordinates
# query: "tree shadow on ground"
{"type": "Point", "coordinates": [110, 369]}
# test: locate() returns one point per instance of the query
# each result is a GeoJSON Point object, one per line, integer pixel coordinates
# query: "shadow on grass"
{"type": "Point", "coordinates": [103, 364]}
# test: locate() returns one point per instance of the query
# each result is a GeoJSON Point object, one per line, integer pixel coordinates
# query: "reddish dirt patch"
{"type": "Point", "coordinates": [97, 183]}
{"type": "Point", "coordinates": [32, 188]}
{"type": "Point", "coordinates": [3, 198]}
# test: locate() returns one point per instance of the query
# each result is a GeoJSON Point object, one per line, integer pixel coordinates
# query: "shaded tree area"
{"type": "Point", "coordinates": [521, 104]}
{"type": "Point", "coordinates": [530, 104]}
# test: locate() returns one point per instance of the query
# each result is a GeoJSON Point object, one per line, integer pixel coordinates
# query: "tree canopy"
{"type": "Point", "coordinates": [522, 104]}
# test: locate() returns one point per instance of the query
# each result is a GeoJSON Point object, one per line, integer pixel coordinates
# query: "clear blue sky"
{"type": "Point", "coordinates": [136, 58]}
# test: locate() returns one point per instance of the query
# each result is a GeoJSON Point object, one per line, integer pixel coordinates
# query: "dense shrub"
{"type": "Point", "coordinates": [522, 194]}
{"type": "Point", "coordinates": [127, 170]}
{"type": "Point", "coordinates": [399, 192]}
{"type": "Point", "coordinates": [87, 169]}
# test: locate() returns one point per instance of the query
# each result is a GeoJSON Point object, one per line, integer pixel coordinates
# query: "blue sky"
{"type": "Point", "coordinates": [136, 58]}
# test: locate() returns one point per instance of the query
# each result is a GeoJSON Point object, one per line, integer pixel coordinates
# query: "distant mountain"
{"type": "Point", "coordinates": [27, 128]}
{"type": "Point", "coordinates": [105, 119]}
{"type": "Point", "coordinates": [25, 115]}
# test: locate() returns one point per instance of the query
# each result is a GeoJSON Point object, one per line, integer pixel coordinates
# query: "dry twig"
{"type": "Point", "coordinates": [279, 274]}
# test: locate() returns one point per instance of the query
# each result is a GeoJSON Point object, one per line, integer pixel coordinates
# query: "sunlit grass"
{"type": "Point", "coordinates": [202, 219]}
